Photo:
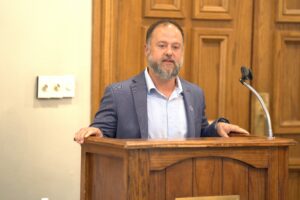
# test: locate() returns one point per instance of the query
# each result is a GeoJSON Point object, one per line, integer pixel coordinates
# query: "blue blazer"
{"type": "Point", "coordinates": [123, 110]}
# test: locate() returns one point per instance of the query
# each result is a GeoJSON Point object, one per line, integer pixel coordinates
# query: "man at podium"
{"type": "Point", "coordinates": [157, 103]}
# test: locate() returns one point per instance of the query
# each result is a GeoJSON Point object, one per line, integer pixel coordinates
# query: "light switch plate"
{"type": "Point", "coordinates": [68, 86]}
{"type": "Point", "coordinates": [56, 87]}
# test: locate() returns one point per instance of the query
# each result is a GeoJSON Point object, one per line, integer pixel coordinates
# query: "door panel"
{"type": "Point", "coordinates": [287, 84]}
{"type": "Point", "coordinates": [276, 64]}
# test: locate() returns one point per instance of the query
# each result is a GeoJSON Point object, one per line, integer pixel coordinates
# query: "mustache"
{"type": "Point", "coordinates": [168, 60]}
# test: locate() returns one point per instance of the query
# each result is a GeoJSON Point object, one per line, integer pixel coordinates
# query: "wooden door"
{"type": "Point", "coordinates": [218, 37]}
{"type": "Point", "coordinates": [276, 65]}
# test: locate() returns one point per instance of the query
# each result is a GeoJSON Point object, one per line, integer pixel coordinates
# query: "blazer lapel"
{"type": "Point", "coordinates": [139, 93]}
{"type": "Point", "coordinates": [190, 113]}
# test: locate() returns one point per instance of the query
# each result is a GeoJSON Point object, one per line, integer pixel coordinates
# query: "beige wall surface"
{"type": "Point", "coordinates": [37, 155]}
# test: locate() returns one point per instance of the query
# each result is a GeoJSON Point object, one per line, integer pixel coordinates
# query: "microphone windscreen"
{"type": "Point", "coordinates": [246, 73]}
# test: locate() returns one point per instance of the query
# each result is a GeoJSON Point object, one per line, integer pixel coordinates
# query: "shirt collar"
{"type": "Point", "coordinates": [150, 84]}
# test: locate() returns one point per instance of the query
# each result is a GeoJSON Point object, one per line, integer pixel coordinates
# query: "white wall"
{"type": "Point", "coordinates": [38, 157]}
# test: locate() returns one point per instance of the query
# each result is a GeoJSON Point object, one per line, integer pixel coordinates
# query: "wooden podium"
{"type": "Point", "coordinates": [255, 168]}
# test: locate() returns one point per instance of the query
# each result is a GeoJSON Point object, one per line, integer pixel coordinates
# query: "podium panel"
{"type": "Point", "coordinates": [255, 168]}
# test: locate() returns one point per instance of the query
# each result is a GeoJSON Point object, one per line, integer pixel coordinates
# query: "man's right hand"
{"type": "Point", "coordinates": [86, 132]}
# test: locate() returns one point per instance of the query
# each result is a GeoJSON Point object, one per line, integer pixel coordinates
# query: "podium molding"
{"type": "Point", "coordinates": [135, 169]}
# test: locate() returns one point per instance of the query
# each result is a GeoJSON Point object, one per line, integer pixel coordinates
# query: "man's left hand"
{"type": "Point", "coordinates": [223, 129]}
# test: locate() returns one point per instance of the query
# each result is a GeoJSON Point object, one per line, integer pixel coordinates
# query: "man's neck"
{"type": "Point", "coordinates": [166, 87]}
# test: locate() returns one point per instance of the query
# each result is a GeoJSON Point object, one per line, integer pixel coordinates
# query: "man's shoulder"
{"type": "Point", "coordinates": [126, 84]}
{"type": "Point", "coordinates": [121, 84]}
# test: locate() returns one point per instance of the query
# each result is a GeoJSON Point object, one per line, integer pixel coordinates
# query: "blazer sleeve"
{"type": "Point", "coordinates": [106, 117]}
{"type": "Point", "coordinates": [210, 130]}
{"type": "Point", "coordinates": [207, 130]}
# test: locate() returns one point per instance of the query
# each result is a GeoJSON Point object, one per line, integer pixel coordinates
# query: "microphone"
{"type": "Point", "coordinates": [247, 75]}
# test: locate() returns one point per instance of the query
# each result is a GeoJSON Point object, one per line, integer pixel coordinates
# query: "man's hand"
{"type": "Point", "coordinates": [223, 129]}
{"type": "Point", "coordinates": [86, 132]}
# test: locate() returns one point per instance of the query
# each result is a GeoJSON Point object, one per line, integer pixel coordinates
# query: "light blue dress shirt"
{"type": "Point", "coordinates": [166, 116]}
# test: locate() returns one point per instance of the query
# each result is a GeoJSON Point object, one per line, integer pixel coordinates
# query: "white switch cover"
{"type": "Point", "coordinates": [56, 86]}
{"type": "Point", "coordinates": [68, 86]}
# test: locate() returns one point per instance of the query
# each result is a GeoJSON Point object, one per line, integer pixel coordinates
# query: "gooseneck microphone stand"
{"type": "Point", "coordinates": [247, 75]}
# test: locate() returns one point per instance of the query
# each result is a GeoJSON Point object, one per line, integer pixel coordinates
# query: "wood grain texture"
{"type": "Point", "coordinates": [273, 63]}
{"type": "Point", "coordinates": [138, 175]}
{"type": "Point", "coordinates": [179, 180]}
{"type": "Point", "coordinates": [220, 197]}
{"type": "Point", "coordinates": [287, 72]}
{"type": "Point", "coordinates": [97, 170]}
{"type": "Point", "coordinates": [117, 172]}
{"type": "Point", "coordinates": [288, 11]}
{"type": "Point", "coordinates": [85, 175]}
{"type": "Point", "coordinates": [235, 178]}
{"type": "Point", "coordinates": [213, 10]}
{"type": "Point", "coordinates": [272, 177]}
{"type": "Point", "coordinates": [108, 176]}
{"type": "Point", "coordinates": [251, 156]}
{"type": "Point", "coordinates": [157, 189]}
{"type": "Point", "coordinates": [257, 183]}
{"type": "Point", "coordinates": [294, 184]}
{"type": "Point", "coordinates": [164, 8]}
{"type": "Point", "coordinates": [191, 142]}
{"type": "Point", "coordinates": [282, 173]}
{"type": "Point", "coordinates": [208, 176]}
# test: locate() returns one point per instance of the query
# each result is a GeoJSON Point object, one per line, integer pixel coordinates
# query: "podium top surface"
{"type": "Point", "coordinates": [203, 142]}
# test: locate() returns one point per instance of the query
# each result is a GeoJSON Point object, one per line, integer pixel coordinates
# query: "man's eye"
{"type": "Point", "coordinates": [161, 46]}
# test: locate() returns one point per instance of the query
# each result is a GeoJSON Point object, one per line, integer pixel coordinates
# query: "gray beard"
{"type": "Point", "coordinates": [164, 75]}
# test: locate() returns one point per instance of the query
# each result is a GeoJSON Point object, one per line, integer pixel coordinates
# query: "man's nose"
{"type": "Point", "coordinates": [169, 51]}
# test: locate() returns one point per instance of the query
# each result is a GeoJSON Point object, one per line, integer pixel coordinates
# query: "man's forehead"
{"type": "Point", "coordinates": [166, 31]}
{"type": "Point", "coordinates": [167, 27]}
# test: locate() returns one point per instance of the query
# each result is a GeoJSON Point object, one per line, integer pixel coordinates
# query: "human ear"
{"type": "Point", "coordinates": [147, 49]}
